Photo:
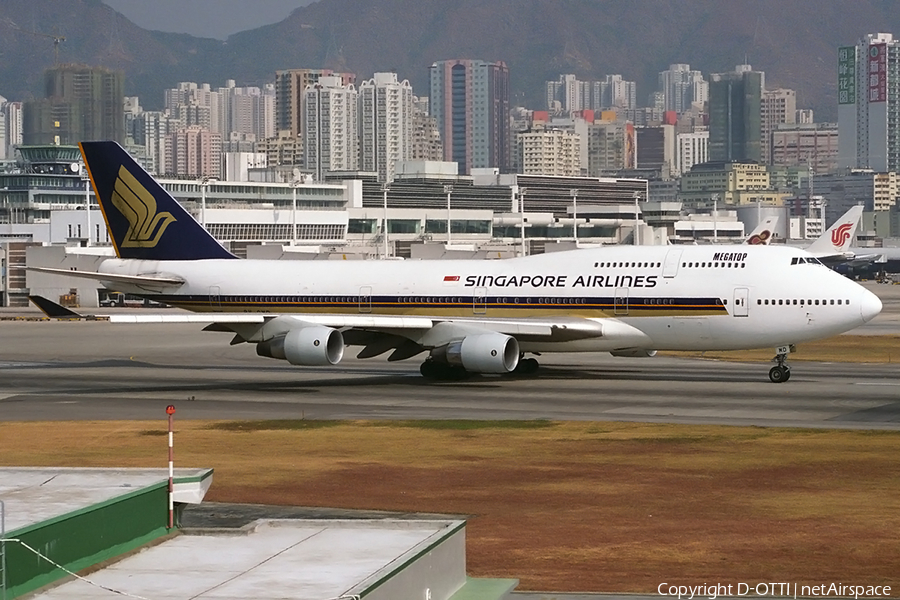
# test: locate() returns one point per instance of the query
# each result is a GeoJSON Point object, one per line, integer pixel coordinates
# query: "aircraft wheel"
{"type": "Point", "coordinates": [430, 369]}
{"type": "Point", "coordinates": [529, 365]}
{"type": "Point", "coordinates": [442, 372]}
{"type": "Point", "coordinates": [787, 373]}
{"type": "Point", "coordinates": [778, 374]}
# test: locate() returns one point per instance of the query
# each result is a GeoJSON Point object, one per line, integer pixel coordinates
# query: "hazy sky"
{"type": "Point", "coordinates": [206, 18]}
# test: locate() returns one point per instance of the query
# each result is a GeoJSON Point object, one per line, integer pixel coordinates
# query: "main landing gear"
{"type": "Point", "coordinates": [781, 372]}
{"type": "Point", "coordinates": [527, 366]}
{"type": "Point", "coordinates": [441, 371]}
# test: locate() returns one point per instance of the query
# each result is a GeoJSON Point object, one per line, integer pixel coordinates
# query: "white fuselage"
{"type": "Point", "coordinates": [679, 297]}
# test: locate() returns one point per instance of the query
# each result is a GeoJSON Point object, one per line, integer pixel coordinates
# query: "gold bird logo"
{"type": "Point", "coordinates": [146, 225]}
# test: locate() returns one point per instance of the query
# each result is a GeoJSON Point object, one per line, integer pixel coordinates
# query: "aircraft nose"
{"type": "Point", "coordinates": [869, 305]}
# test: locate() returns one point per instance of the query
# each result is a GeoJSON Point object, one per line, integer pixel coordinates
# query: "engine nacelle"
{"type": "Point", "coordinates": [484, 353]}
{"type": "Point", "coordinates": [635, 353]}
{"type": "Point", "coordinates": [311, 346]}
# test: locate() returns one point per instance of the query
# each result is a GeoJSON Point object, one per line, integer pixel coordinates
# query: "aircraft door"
{"type": "Point", "coordinates": [621, 307]}
{"type": "Point", "coordinates": [365, 299]}
{"type": "Point", "coordinates": [215, 300]}
{"type": "Point", "coordinates": [741, 302]}
{"type": "Point", "coordinates": [479, 301]}
{"type": "Point", "coordinates": [670, 265]}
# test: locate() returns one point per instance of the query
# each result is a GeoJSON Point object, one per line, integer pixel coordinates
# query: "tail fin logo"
{"type": "Point", "coordinates": [840, 235]}
{"type": "Point", "coordinates": [760, 239]}
{"type": "Point", "coordinates": [145, 224]}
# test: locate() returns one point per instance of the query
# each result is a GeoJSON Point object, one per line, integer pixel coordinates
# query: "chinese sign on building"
{"type": "Point", "coordinates": [877, 73]}
{"type": "Point", "coordinates": [847, 75]}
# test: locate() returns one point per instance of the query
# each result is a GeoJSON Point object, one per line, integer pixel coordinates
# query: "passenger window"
{"type": "Point", "coordinates": [780, 302]}
{"type": "Point", "coordinates": [767, 301]}
{"type": "Point", "coordinates": [839, 302]}
{"type": "Point", "coordinates": [832, 302]}
{"type": "Point", "coordinates": [795, 302]}
{"type": "Point", "coordinates": [817, 302]}
{"type": "Point", "coordinates": [758, 301]}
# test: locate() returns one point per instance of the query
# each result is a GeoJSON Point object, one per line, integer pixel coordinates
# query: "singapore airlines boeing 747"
{"type": "Point", "coordinates": [466, 316]}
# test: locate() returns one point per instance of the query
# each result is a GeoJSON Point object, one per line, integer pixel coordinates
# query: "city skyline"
{"type": "Point", "coordinates": [540, 42]}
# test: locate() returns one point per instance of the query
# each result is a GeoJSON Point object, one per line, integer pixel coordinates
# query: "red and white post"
{"type": "Point", "coordinates": [170, 410]}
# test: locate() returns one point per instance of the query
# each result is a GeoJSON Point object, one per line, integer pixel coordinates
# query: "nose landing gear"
{"type": "Point", "coordinates": [781, 372]}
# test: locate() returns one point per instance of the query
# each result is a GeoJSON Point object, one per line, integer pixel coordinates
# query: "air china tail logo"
{"type": "Point", "coordinates": [146, 225]}
{"type": "Point", "coordinates": [840, 235]}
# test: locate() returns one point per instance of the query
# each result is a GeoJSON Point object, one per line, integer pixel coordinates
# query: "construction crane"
{"type": "Point", "coordinates": [53, 36]}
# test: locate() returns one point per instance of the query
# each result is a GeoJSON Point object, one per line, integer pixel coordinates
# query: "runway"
{"type": "Point", "coordinates": [101, 371]}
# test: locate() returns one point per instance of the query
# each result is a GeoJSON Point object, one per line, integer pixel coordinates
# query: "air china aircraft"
{"type": "Point", "coordinates": [466, 316]}
{"type": "Point", "coordinates": [833, 247]}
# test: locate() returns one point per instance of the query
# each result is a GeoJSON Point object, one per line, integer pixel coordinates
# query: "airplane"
{"type": "Point", "coordinates": [763, 233]}
{"type": "Point", "coordinates": [467, 316]}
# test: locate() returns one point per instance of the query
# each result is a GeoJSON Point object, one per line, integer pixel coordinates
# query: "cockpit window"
{"type": "Point", "coordinates": [802, 260]}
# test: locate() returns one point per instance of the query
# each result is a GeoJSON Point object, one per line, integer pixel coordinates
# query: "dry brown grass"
{"type": "Point", "coordinates": [562, 506]}
{"type": "Point", "coordinates": [842, 348]}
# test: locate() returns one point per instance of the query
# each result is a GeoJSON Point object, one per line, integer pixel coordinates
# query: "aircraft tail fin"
{"type": "Point", "coordinates": [763, 234]}
{"type": "Point", "coordinates": [839, 236]}
{"type": "Point", "coordinates": [143, 219]}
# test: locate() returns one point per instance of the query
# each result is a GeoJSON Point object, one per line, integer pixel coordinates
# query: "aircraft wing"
{"type": "Point", "coordinates": [379, 333]}
{"type": "Point", "coordinates": [150, 281]}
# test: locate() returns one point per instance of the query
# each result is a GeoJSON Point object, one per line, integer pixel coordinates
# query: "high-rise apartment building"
{"type": "Point", "coordinates": [11, 115]}
{"type": "Point", "coordinates": [568, 94]}
{"type": "Point", "coordinates": [690, 149]}
{"type": "Point", "coordinates": [290, 90]}
{"type": "Point", "coordinates": [385, 124]}
{"type": "Point", "coordinates": [470, 101]}
{"type": "Point", "coordinates": [193, 152]}
{"type": "Point", "coordinates": [681, 87]}
{"type": "Point", "coordinates": [869, 104]}
{"type": "Point", "coordinates": [779, 107]}
{"type": "Point", "coordinates": [614, 92]}
{"type": "Point", "coordinates": [149, 130]}
{"type": "Point", "coordinates": [426, 136]}
{"type": "Point", "coordinates": [549, 152]}
{"type": "Point", "coordinates": [806, 144]}
{"type": "Point", "coordinates": [195, 104]}
{"type": "Point", "coordinates": [81, 103]}
{"type": "Point", "coordinates": [330, 127]}
{"type": "Point", "coordinates": [655, 149]}
{"type": "Point", "coordinates": [246, 110]}
{"type": "Point", "coordinates": [735, 113]}
{"type": "Point", "coordinates": [606, 147]}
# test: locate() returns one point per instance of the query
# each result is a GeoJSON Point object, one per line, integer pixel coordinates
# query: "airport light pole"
{"type": "Point", "coordinates": [87, 202]}
{"type": "Point", "coordinates": [522, 217]}
{"type": "Point", "coordinates": [715, 217]}
{"type": "Point", "coordinates": [294, 183]}
{"type": "Point", "coordinates": [204, 183]}
{"type": "Point", "coordinates": [448, 189]}
{"type": "Point", "coordinates": [574, 194]}
{"type": "Point", "coordinates": [385, 187]}
{"type": "Point", "coordinates": [634, 238]}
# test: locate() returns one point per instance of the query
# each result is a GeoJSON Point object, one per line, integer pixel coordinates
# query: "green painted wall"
{"type": "Point", "coordinates": [85, 537]}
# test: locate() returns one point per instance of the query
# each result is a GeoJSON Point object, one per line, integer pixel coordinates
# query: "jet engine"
{"type": "Point", "coordinates": [311, 346]}
{"type": "Point", "coordinates": [484, 353]}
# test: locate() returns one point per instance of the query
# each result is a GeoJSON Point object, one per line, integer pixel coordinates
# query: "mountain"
{"type": "Point", "coordinates": [795, 43]}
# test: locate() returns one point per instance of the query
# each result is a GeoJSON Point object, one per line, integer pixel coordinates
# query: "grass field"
{"type": "Point", "coordinates": [561, 506]}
